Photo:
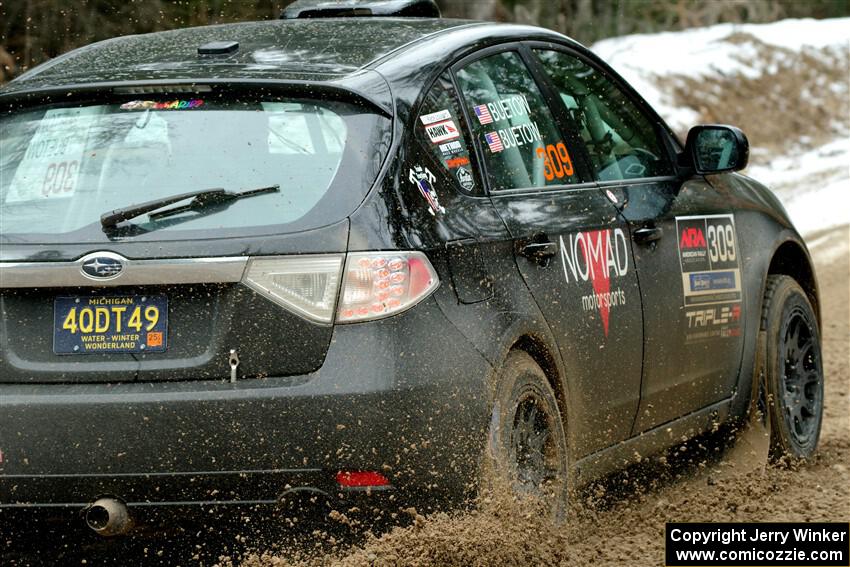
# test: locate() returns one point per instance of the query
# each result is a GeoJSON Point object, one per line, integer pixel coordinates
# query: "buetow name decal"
{"type": "Point", "coordinates": [512, 107]}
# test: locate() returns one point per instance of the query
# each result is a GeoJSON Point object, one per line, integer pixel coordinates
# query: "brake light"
{"type": "Point", "coordinates": [352, 479]}
{"type": "Point", "coordinates": [374, 284]}
{"type": "Point", "coordinates": [380, 284]}
{"type": "Point", "coordinates": [306, 284]}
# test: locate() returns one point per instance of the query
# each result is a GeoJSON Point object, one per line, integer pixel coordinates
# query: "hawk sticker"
{"type": "Point", "coordinates": [424, 181]}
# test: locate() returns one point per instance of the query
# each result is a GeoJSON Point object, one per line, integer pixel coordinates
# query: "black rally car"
{"type": "Point", "coordinates": [352, 252]}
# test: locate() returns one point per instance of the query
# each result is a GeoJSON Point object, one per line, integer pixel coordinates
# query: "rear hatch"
{"type": "Point", "coordinates": [186, 289]}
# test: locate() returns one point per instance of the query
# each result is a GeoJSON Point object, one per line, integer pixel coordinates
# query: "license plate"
{"type": "Point", "coordinates": [110, 323]}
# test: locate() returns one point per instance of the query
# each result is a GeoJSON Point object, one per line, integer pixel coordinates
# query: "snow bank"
{"type": "Point", "coordinates": [813, 185]}
{"type": "Point", "coordinates": [705, 52]}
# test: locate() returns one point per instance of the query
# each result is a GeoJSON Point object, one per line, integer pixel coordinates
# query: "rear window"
{"type": "Point", "coordinates": [61, 168]}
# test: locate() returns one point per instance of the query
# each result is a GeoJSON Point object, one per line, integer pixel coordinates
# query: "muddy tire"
{"type": "Point", "coordinates": [528, 444]}
{"type": "Point", "coordinates": [793, 376]}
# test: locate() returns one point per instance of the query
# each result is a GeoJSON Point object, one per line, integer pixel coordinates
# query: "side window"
{"type": "Point", "coordinates": [440, 129]}
{"type": "Point", "coordinates": [621, 141]}
{"type": "Point", "coordinates": [522, 147]}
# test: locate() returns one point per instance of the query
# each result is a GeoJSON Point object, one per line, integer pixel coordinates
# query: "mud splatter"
{"type": "Point", "coordinates": [622, 521]}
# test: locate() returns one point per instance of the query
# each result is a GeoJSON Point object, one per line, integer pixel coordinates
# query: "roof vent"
{"type": "Point", "coordinates": [218, 48]}
{"type": "Point", "coordinates": [361, 8]}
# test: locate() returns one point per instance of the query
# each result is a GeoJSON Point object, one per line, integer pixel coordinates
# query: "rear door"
{"type": "Point", "coordinates": [182, 292]}
{"type": "Point", "coordinates": [685, 242]}
{"type": "Point", "coordinates": [570, 245]}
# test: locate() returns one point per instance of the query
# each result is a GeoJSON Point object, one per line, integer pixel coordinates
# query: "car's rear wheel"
{"type": "Point", "coordinates": [528, 443]}
{"type": "Point", "coordinates": [793, 370]}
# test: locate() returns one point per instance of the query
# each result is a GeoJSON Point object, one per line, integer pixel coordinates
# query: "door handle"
{"type": "Point", "coordinates": [648, 234]}
{"type": "Point", "coordinates": [540, 250]}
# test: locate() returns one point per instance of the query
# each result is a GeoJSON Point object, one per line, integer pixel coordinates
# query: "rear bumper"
{"type": "Point", "coordinates": [406, 397]}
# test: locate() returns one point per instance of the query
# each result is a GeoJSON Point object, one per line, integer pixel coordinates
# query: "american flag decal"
{"type": "Point", "coordinates": [484, 116]}
{"type": "Point", "coordinates": [430, 196]}
{"type": "Point", "coordinates": [494, 141]}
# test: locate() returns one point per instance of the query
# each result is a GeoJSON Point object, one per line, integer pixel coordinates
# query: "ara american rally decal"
{"type": "Point", "coordinates": [598, 256]}
{"type": "Point", "coordinates": [710, 264]}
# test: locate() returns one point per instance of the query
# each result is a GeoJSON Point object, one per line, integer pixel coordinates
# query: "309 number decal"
{"type": "Point", "coordinates": [60, 178]}
{"type": "Point", "coordinates": [721, 242]}
{"type": "Point", "coordinates": [556, 161]}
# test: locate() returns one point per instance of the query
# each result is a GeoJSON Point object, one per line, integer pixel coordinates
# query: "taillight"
{"type": "Point", "coordinates": [374, 284]}
{"type": "Point", "coordinates": [361, 479]}
{"type": "Point", "coordinates": [380, 284]}
{"type": "Point", "coordinates": [306, 284]}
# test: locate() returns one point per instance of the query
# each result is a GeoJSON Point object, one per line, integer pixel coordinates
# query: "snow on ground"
{"type": "Point", "coordinates": [703, 52]}
{"type": "Point", "coordinates": [814, 185]}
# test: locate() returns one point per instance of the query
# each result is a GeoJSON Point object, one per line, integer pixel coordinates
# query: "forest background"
{"type": "Point", "coordinates": [33, 31]}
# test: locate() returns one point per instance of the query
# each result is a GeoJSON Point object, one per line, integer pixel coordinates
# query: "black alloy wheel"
{"type": "Point", "coordinates": [794, 369]}
{"type": "Point", "coordinates": [528, 440]}
{"type": "Point", "coordinates": [534, 452]}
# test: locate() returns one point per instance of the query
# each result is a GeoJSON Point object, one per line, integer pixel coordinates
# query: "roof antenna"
{"type": "Point", "coordinates": [218, 48]}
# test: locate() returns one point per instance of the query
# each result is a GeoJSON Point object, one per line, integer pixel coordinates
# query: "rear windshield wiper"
{"type": "Point", "coordinates": [200, 200]}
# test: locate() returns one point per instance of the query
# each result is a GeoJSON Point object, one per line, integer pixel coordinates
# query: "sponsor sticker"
{"type": "Point", "coordinates": [423, 179]}
{"type": "Point", "coordinates": [464, 177]}
{"type": "Point", "coordinates": [457, 162]}
{"type": "Point", "coordinates": [442, 131]}
{"type": "Point", "coordinates": [709, 259]}
{"type": "Point", "coordinates": [712, 280]}
{"type": "Point", "coordinates": [435, 117]}
{"type": "Point", "coordinates": [169, 105]}
{"type": "Point", "coordinates": [713, 321]}
{"type": "Point", "coordinates": [451, 148]}
{"type": "Point", "coordinates": [601, 257]}
{"type": "Point", "coordinates": [711, 276]}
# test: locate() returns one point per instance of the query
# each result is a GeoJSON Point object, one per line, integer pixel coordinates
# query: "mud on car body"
{"type": "Point", "coordinates": [357, 257]}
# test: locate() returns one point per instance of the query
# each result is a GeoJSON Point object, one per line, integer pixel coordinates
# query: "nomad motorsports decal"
{"type": "Point", "coordinates": [598, 256]}
{"type": "Point", "coordinates": [711, 275]}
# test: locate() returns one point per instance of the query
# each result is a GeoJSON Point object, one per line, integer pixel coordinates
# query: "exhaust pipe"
{"type": "Point", "coordinates": [108, 517]}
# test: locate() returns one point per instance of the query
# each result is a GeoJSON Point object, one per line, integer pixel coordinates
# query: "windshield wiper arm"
{"type": "Point", "coordinates": [200, 199]}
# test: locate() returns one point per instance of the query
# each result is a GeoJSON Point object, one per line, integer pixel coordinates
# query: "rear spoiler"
{"type": "Point", "coordinates": [351, 89]}
{"type": "Point", "coordinates": [361, 8]}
